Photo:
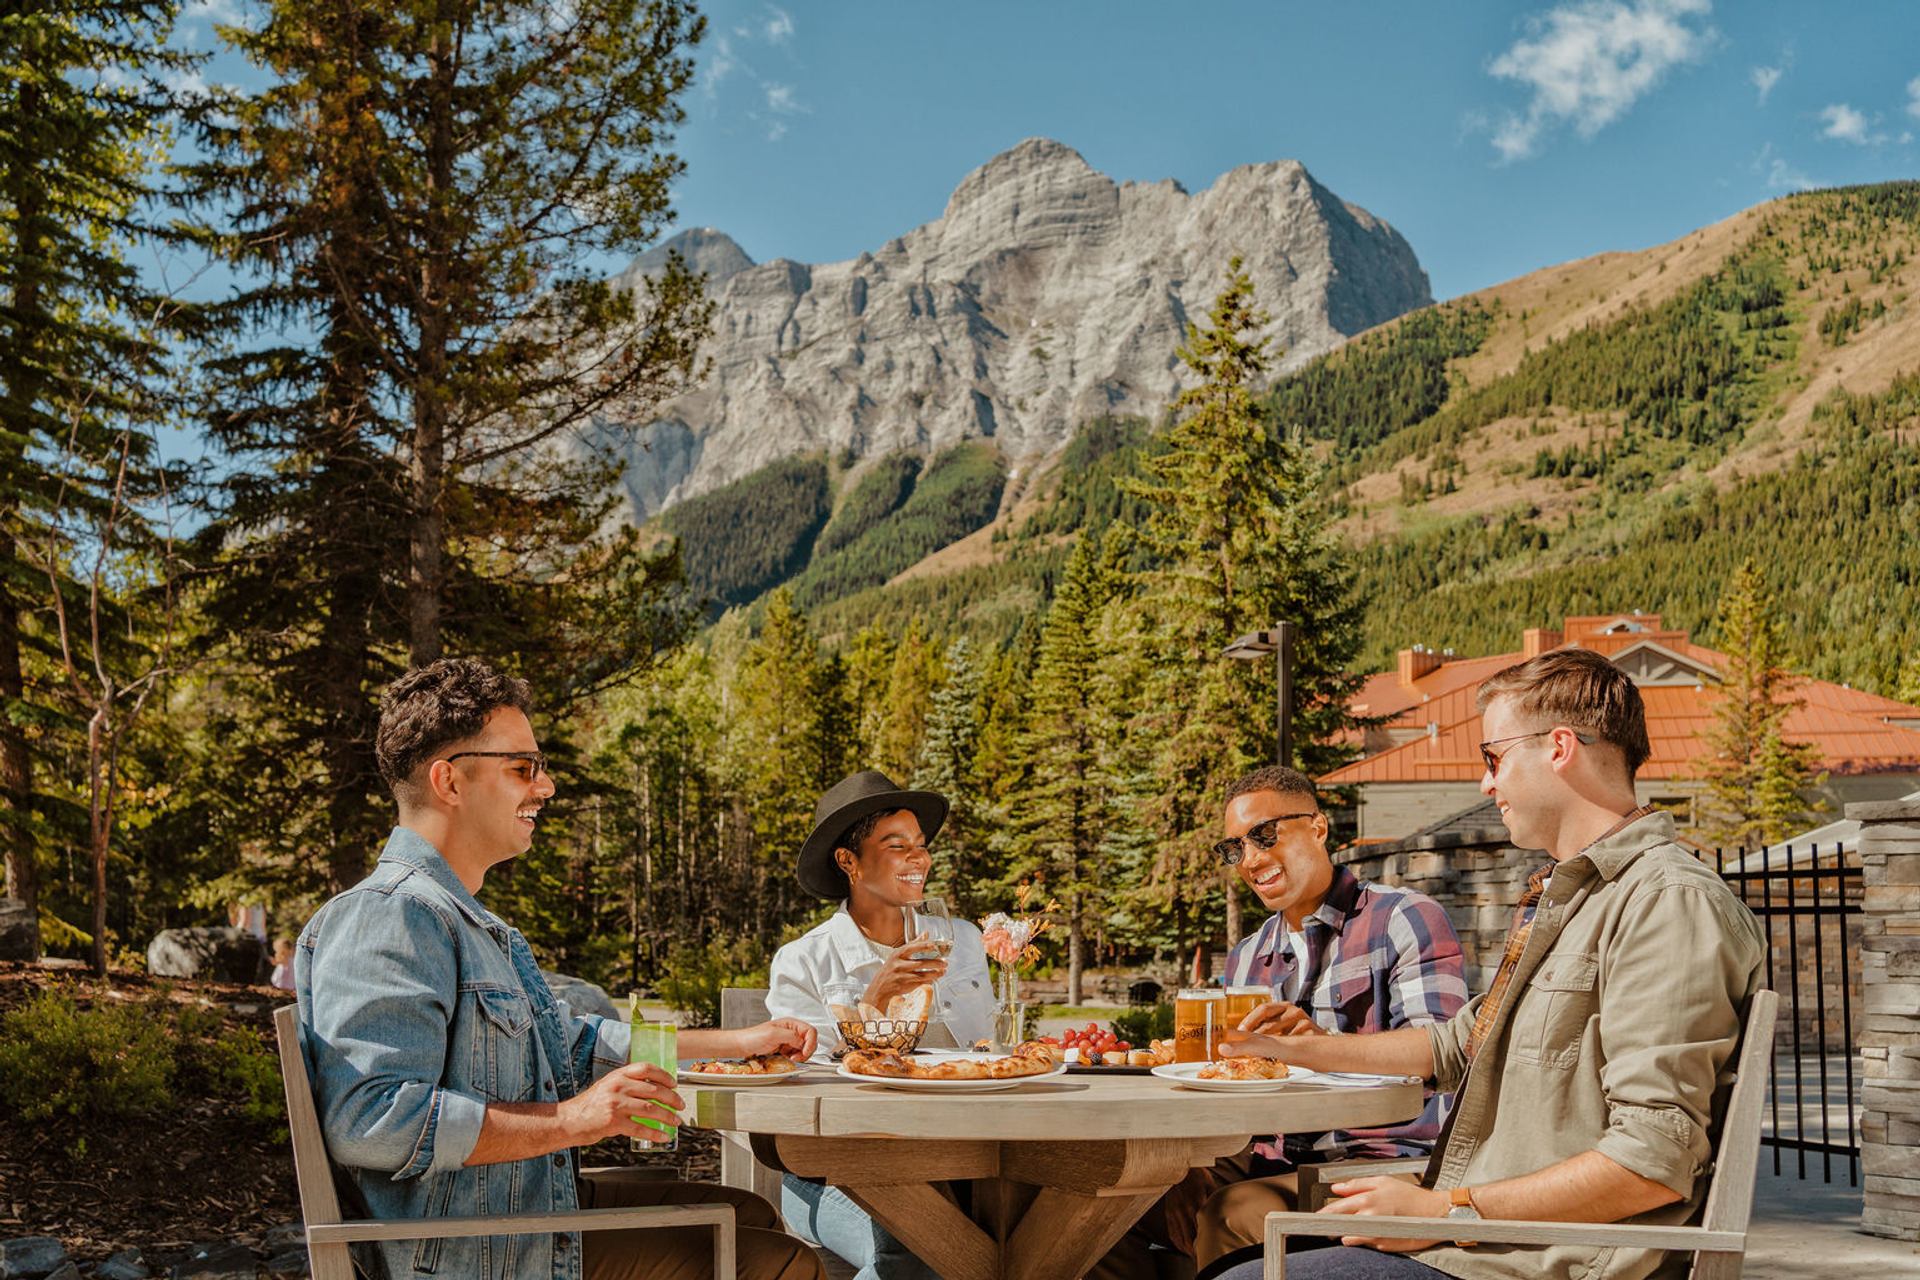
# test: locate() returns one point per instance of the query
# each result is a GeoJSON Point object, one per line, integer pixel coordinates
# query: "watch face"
{"type": "Point", "coordinates": [1462, 1211]}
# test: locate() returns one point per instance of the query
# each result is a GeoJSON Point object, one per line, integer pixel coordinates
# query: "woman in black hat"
{"type": "Point", "coordinates": [869, 850]}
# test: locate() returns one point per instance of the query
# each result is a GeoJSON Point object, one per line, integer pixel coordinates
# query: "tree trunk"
{"type": "Point", "coordinates": [16, 766]}
{"type": "Point", "coordinates": [426, 578]}
{"type": "Point", "coordinates": [1076, 947]}
{"type": "Point", "coordinates": [100, 823]}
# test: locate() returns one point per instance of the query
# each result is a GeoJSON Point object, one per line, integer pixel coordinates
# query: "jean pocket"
{"type": "Point", "coordinates": [426, 1253]}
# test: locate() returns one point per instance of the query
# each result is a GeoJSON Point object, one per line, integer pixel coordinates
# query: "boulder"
{"type": "Point", "coordinates": [289, 1264]}
{"type": "Point", "coordinates": [217, 1261]}
{"type": "Point", "coordinates": [582, 997]}
{"type": "Point", "coordinates": [222, 954]}
{"type": "Point", "coordinates": [30, 1257]}
{"type": "Point", "coordinates": [19, 931]}
{"type": "Point", "coordinates": [124, 1265]}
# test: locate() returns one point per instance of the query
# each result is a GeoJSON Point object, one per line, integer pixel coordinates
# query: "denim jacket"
{"type": "Point", "coordinates": [418, 1007]}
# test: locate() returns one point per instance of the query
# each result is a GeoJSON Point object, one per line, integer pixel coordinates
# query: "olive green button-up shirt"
{"type": "Point", "coordinates": [1619, 1037]}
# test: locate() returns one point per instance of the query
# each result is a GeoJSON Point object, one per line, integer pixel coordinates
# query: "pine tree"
{"type": "Point", "coordinates": [83, 110]}
{"type": "Point", "coordinates": [1908, 688]}
{"type": "Point", "coordinates": [418, 203]}
{"type": "Point", "coordinates": [1237, 540]}
{"type": "Point", "coordinates": [948, 765]}
{"type": "Point", "coordinates": [909, 696]}
{"type": "Point", "coordinates": [1755, 775]}
{"type": "Point", "coordinates": [1061, 815]}
{"type": "Point", "coordinates": [869, 667]}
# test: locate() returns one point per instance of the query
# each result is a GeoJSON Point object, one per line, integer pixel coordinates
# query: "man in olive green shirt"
{"type": "Point", "coordinates": [1603, 1048]}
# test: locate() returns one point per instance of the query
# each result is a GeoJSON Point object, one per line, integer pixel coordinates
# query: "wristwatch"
{"type": "Point", "coordinates": [1463, 1207]}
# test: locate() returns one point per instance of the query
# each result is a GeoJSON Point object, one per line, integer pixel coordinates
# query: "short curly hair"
{"type": "Point", "coordinates": [434, 706]}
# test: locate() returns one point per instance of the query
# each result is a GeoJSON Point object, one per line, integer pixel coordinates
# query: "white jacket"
{"type": "Point", "coordinates": [836, 952]}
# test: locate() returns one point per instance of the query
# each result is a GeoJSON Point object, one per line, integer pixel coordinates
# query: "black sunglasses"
{"type": "Point", "coordinates": [538, 759]}
{"type": "Point", "coordinates": [1261, 835]}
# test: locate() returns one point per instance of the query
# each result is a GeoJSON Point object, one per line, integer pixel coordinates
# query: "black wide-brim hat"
{"type": "Point", "coordinates": [847, 802]}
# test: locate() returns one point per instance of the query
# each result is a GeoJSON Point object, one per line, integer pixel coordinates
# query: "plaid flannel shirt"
{"type": "Point", "coordinates": [1377, 958]}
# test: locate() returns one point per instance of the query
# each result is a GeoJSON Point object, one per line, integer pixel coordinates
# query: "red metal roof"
{"type": "Point", "coordinates": [1848, 727]}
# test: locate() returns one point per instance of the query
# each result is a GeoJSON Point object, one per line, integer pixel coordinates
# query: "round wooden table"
{"type": "Point", "coordinates": [1061, 1167]}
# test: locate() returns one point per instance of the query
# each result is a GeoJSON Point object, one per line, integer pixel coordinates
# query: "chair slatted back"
{"type": "Point", "coordinates": [1730, 1197]}
{"type": "Point", "coordinates": [742, 1007]}
{"type": "Point", "coordinates": [319, 1203]}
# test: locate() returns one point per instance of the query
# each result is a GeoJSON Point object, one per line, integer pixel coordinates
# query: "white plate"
{"type": "Point", "coordinates": [1186, 1074]}
{"type": "Point", "coordinates": [737, 1082]}
{"type": "Point", "coordinates": [954, 1086]}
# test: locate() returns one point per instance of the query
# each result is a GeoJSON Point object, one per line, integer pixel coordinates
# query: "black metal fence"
{"type": "Point", "coordinates": [1808, 903]}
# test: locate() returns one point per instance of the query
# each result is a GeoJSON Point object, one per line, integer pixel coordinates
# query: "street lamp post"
{"type": "Point", "coordinates": [1279, 642]}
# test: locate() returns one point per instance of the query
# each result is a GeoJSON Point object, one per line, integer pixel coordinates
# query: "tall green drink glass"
{"type": "Point", "coordinates": [659, 1044]}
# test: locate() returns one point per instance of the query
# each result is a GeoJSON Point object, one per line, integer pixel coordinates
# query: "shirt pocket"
{"type": "Point", "coordinates": [503, 1063]}
{"type": "Point", "coordinates": [1554, 1010]}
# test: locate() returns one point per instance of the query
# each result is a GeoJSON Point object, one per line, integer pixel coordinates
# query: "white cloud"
{"type": "Point", "coordinates": [1587, 62]}
{"type": "Point", "coordinates": [781, 103]}
{"type": "Point", "coordinates": [1764, 78]}
{"type": "Point", "coordinates": [1913, 97]}
{"type": "Point", "coordinates": [719, 67]}
{"type": "Point", "coordinates": [1844, 124]}
{"type": "Point", "coordinates": [1780, 175]}
{"type": "Point", "coordinates": [779, 28]}
{"type": "Point", "coordinates": [226, 13]}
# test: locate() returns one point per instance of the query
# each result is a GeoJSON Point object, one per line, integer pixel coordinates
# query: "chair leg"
{"type": "Point", "coordinates": [723, 1262]}
{"type": "Point", "coordinates": [330, 1262]}
{"type": "Point", "coordinates": [1275, 1262]}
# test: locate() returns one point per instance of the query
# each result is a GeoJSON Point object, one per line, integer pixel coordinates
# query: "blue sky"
{"type": "Point", "coordinates": [1498, 138]}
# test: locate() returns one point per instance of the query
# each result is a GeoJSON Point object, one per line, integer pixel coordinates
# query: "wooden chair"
{"type": "Point", "coordinates": [328, 1236]}
{"type": "Point", "coordinates": [745, 1007]}
{"type": "Point", "coordinates": [1718, 1243]}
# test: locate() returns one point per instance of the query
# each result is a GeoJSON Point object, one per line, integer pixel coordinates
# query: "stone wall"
{"type": "Point", "coordinates": [1890, 1034]}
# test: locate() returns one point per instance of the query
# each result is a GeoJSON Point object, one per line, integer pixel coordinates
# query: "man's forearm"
{"type": "Point", "coordinates": [1405, 1051]}
{"type": "Point", "coordinates": [520, 1131]}
{"type": "Point", "coordinates": [1589, 1187]}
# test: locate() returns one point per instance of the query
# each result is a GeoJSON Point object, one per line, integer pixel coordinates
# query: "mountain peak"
{"type": "Point", "coordinates": [705, 250]}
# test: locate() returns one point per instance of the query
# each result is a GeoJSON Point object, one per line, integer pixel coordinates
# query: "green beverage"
{"type": "Point", "coordinates": [659, 1044]}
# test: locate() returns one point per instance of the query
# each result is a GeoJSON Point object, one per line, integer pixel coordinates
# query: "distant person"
{"type": "Point", "coordinates": [1338, 956]}
{"type": "Point", "coordinates": [282, 963]}
{"type": "Point", "coordinates": [868, 851]}
{"type": "Point", "coordinates": [250, 916]}
{"type": "Point", "coordinates": [1587, 1077]}
{"type": "Point", "coordinates": [450, 1082]}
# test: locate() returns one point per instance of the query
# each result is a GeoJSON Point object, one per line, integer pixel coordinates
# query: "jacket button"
{"type": "Point", "coordinates": [560, 1161]}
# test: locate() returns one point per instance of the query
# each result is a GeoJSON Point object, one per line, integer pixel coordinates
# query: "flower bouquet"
{"type": "Point", "coordinates": [1009, 942]}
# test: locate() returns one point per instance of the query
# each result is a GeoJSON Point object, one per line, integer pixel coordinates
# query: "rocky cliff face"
{"type": "Point", "coordinates": [1046, 294]}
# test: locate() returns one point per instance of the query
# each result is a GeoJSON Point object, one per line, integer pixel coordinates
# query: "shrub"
{"type": "Point", "coordinates": [103, 1063]}
{"type": "Point", "coordinates": [1138, 1026]}
{"type": "Point", "coordinates": [696, 975]}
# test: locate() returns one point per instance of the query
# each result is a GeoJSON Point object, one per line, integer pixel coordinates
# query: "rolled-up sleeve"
{"type": "Point", "coordinates": [378, 1038]}
{"type": "Point", "coordinates": [1668, 1025]}
{"type": "Point", "coordinates": [1448, 1042]}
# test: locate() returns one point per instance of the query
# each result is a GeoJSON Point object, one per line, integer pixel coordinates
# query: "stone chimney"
{"type": "Point", "coordinates": [1417, 662]}
{"type": "Point", "coordinates": [1539, 640]}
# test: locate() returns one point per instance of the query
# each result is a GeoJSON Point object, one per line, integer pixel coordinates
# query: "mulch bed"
{"type": "Point", "coordinates": [202, 1171]}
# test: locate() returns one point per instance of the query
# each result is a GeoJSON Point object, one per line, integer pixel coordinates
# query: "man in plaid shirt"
{"type": "Point", "coordinates": [1340, 955]}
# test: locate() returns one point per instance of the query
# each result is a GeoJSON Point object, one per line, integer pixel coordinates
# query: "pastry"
{"type": "Point", "coordinates": [1244, 1069]}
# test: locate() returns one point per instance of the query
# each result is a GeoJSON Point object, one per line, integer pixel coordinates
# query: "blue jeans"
{"type": "Point", "coordinates": [824, 1216]}
{"type": "Point", "coordinates": [1343, 1263]}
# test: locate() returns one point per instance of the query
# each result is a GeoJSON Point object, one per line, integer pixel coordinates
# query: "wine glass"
{"type": "Point", "coordinates": [929, 916]}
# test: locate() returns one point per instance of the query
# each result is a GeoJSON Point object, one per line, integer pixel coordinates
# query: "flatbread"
{"type": "Point", "coordinates": [914, 1006]}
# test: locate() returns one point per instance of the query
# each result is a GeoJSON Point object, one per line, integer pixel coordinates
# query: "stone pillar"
{"type": "Point", "coordinates": [1890, 1033]}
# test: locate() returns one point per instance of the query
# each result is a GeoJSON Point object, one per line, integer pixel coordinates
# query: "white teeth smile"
{"type": "Point", "coordinates": [528, 815]}
{"type": "Point", "coordinates": [920, 879]}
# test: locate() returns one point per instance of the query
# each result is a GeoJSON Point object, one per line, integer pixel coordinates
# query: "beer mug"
{"type": "Point", "coordinates": [1199, 1017]}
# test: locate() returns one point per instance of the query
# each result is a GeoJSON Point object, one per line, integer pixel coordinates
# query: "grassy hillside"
{"type": "Point", "coordinates": [1613, 433]}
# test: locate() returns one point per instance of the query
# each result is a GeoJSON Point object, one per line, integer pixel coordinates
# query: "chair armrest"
{"type": "Point", "coordinates": [710, 1215]}
{"type": "Point", "coordinates": [1503, 1231]}
{"type": "Point", "coordinates": [1314, 1179]}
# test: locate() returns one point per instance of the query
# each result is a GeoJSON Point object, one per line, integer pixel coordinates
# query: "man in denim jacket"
{"type": "Point", "coordinates": [450, 1081]}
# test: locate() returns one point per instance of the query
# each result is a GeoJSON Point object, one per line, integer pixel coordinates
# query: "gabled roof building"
{"type": "Point", "coordinates": [1422, 763]}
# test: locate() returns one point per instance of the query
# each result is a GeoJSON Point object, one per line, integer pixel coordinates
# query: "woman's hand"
{"type": "Point", "coordinates": [787, 1037]}
{"type": "Point", "coordinates": [904, 970]}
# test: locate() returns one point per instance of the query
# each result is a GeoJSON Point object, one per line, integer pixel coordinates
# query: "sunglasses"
{"type": "Point", "coordinates": [1493, 761]}
{"type": "Point", "coordinates": [1261, 836]}
{"type": "Point", "coordinates": [538, 759]}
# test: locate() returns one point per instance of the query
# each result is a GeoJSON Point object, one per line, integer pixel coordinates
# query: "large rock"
{"type": "Point", "coordinates": [217, 1261]}
{"type": "Point", "coordinates": [128, 1264]}
{"type": "Point", "coordinates": [222, 954]}
{"type": "Point", "coordinates": [1046, 294]}
{"type": "Point", "coordinates": [582, 997]}
{"type": "Point", "coordinates": [30, 1257]}
{"type": "Point", "coordinates": [19, 931]}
